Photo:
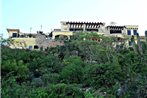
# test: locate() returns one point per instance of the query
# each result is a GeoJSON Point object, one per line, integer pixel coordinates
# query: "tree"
{"type": "Point", "coordinates": [73, 70]}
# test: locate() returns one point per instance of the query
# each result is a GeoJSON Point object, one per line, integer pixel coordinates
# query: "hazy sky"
{"type": "Point", "coordinates": [24, 14]}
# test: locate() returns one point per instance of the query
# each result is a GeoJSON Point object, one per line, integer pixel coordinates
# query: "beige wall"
{"type": "Point", "coordinates": [11, 32]}
{"type": "Point", "coordinates": [27, 41]}
{"type": "Point", "coordinates": [131, 26]}
{"type": "Point", "coordinates": [64, 26]}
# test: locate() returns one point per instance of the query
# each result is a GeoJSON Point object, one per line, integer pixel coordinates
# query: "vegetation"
{"type": "Point", "coordinates": [87, 66]}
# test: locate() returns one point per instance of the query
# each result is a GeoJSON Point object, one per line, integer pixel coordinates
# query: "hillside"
{"type": "Point", "coordinates": [79, 69]}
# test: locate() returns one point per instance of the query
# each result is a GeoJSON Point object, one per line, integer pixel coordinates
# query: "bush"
{"type": "Point", "coordinates": [73, 70]}
{"type": "Point", "coordinates": [64, 91]}
{"type": "Point", "coordinates": [104, 75]}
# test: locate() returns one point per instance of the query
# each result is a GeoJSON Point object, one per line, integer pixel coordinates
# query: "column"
{"type": "Point", "coordinates": [84, 27]}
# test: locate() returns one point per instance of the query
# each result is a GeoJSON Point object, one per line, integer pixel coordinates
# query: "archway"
{"type": "Point", "coordinates": [61, 37]}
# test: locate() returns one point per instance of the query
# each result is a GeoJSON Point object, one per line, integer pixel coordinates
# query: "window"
{"type": "Point", "coordinates": [14, 35]}
{"type": "Point", "coordinates": [135, 32]}
{"type": "Point", "coordinates": [129, 32]}
{"type": "Point", "coordinates": [36, 47]}
{"type": "Point", "coordinates": [115, 31]}
{"type": "Point", "coordinates": [30, 47]}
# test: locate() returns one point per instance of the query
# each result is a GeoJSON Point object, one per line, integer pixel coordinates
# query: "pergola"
{"type": "Point", "coordinates": [84, 26]}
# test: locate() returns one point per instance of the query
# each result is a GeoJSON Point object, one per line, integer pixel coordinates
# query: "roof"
{"type": "Point", "coordinates": [57, 29]}
{"type": "Point", "coordinates": [28, 33]}
{"type": "Point", "coordinates": [131, 26]}
{"type": "Point", "coordinates": [73, 22]}
{"type": "Point", "coordinates": [13, 30]}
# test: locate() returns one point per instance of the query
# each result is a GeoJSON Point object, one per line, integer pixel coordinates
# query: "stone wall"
{"type": "Point", "coordinates": [43, 42]}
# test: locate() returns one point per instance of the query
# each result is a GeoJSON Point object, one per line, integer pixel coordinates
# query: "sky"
{"type": "Point", "coordinates": [26, 14]}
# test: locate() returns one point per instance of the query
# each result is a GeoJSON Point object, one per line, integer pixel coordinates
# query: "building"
{"type": "Point", "coordinates": [69, 28]}
{"type": "Point", "coordinates": [31, 41]}
{"type": "Point", "coordinates": [82, 26]}
{"type": "Point", "coordinates": [21, 40]}
{"type": "Point", "coordinates": [117, 31]}
{"type": "Point", "coordinates": [131, 30]}
{"type": "Point", "coordinates": [123, 32]}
